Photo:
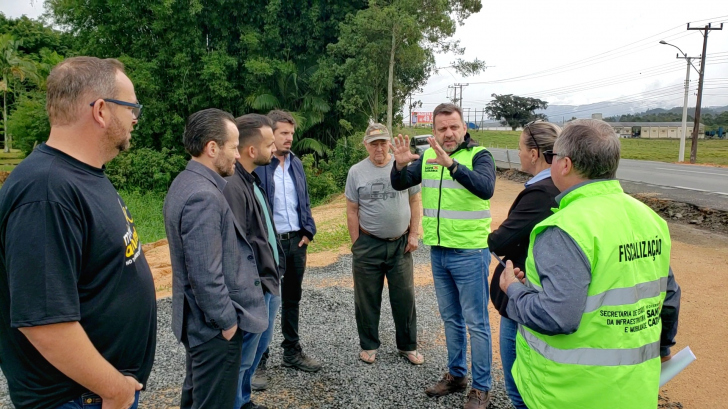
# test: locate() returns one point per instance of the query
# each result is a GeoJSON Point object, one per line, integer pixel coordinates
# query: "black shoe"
{"type": "Point", "coordinates": [251, 405]}
{"type": "Point", "coordinates": [259, 382]}
{"type": "Point", "coordinates": [298, 359]}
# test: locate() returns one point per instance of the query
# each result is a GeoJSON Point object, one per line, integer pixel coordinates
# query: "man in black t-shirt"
{"type": "Point", "coordinates": [78, 315]}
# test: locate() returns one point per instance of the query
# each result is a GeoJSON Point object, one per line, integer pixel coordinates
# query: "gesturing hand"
{"type": "Point", "coordinates": [402, 154]}
{"type": "Point", "coordinates": [442, 157]}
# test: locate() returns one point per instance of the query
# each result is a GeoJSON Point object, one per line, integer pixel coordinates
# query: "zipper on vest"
{"type": "Point", "coordinates": [439, 200]}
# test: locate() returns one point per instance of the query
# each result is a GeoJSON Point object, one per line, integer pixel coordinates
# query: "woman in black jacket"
{"type": "Point", "coordinates": [511, 239]}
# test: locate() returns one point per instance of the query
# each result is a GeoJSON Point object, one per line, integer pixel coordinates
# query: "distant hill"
{"type": "Point", "coordinates": [609, 109]}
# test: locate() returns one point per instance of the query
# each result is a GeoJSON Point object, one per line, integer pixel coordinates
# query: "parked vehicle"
{"type": "Point", "coordinates": [419, 144]}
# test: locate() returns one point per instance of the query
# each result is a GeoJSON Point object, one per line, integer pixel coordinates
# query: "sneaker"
{"type": "Point", "coordinates": [251, 405]}
{"type": "Point", "coordinates": [447, 385]}
{"type": "Point", "coordinates": [259, 382]}
{"type": "Point", "coordinates": [477, 399]}
{"type": "Point", "coordinates": [299, 360]}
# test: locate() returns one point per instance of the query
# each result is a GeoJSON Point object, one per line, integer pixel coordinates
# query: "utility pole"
{"type": "Point", "coordinates": [681, 155]}
{"type": "Point", "coordinates": [696, 127]}
{"type": "Point", "coordinates": [460, 101]}
{"type": "Point", "coordinates": [409, 119]}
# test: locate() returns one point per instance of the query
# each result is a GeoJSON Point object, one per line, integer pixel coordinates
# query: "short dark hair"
{"type": "Point", "coordinates": [279, 115]}
{"type": "Point", "coordinates": [249, 127]}
{"type": "Point", "coordinates": [205, 126]}
{"type": "Point", "coordinates": [446, 109]}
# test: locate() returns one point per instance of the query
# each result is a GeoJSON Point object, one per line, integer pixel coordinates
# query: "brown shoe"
{"type": "Point", "coordinates": [477, 399]}
{"type": "Point", "coordinates": [447, 385]}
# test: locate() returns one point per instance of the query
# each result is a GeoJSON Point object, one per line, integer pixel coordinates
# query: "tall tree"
{"type": "Point", "coordinates": [515, 111]}
{"type": "Point", "coordinates": [391, 45]}
{"type": "Point", "coordinates": [13, 66]}
{"type": "Point", "coordinates": [184, 56]}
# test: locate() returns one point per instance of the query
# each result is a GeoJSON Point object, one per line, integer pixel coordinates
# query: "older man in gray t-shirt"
{"type": "Point", "coordinates": [384, 227]}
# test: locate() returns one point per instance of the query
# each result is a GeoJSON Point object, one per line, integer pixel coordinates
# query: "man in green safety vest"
{"type": "Point", "coordinates": [458, 179]}
{"type": "Point", "coordinates": [598, 308]}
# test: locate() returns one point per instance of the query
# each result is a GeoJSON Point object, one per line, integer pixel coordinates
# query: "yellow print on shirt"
{"type": "Point", "coordinates": [131, 237]}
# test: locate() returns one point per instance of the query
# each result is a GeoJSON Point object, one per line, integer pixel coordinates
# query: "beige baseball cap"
{"type": "Point", "coordinates": [376, 132]}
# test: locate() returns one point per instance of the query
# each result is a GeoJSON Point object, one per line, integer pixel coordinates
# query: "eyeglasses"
{"type": "Point", "coordinates": [549, 156]}
{"type": "Point", "coordinates": [538, 148]}
{"type": "Point", "coordinates": [136, 109]}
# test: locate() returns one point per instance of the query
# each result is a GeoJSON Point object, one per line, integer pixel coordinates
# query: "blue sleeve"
{"type": "Point", "coordinates": [481, 180]}
{"type": "Point", "coordinates": [565, 275]}
{"type": "Point", "coordinates": [409, 176]}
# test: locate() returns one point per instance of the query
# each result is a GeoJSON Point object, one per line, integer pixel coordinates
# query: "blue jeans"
{"type": "Point", "coordinates": [508, 331]}
{"type": "Point", "coordinates": [273, 303]}
{"type": "Point", "coordinates": [82, 402]}
{"type": "Point", "coordinates": [461, 285]}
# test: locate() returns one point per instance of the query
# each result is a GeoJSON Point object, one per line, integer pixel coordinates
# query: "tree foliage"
{"type": "Point", "coordinates": [514, 111]}
{"type": "Point", "coordinates": [386, 51]}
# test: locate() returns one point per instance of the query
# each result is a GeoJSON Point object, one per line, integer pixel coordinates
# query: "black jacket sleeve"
{"type": "Point", "coordinates": [669, 315]}
{"type": "Point", "coordinates": [481, 180]}
{"type": "Point", "coordinates": [410, 176]}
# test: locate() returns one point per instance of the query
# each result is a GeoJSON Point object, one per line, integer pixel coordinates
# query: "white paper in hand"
{"type": "Point", "coordinates": [675, 365]}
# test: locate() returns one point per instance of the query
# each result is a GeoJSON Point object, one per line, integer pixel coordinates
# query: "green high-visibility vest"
{"type": "Point", "coordinates": [613, 358]}
{"type": "Point", "coordinates": [452, 216]}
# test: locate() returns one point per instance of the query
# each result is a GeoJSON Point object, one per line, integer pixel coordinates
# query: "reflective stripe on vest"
{"type": "Point", "coordinates": [592, 356]}
{"type": "Point", "coordinates": [617, 341]}
{"type": "Point", "coordinates": [457, 214]}
{"type": "Point", "coordinates": [452, 216]}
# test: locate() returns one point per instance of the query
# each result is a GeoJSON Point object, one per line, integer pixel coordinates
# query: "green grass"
{"type": "Point", "coordinates": [146, 209]}
{"type": "Point", "coordinates": [330, 239]}
{"type": "Point", "coordinates": [711, 151]}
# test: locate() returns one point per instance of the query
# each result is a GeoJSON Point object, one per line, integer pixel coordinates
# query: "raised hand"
{"type": "Point", "coordinates": [402, 154]}
{"type": "Point", "coordinates": [442, 157]}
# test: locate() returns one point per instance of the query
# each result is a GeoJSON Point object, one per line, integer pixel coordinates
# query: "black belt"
{"type": "Point", "coordinates": [289, 235]}
{"type": "Point", "coordinates": [361, 229]}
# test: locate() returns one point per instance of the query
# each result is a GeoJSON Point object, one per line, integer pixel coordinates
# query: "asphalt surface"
{"type": "Point", "coordinates": [703, 186]}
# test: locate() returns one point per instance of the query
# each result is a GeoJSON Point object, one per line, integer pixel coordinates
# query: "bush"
{"type": "Point", "coordinates": [328, 177]}
{"type": "Point", "coordinates": [28, 124]}
{"type": "Point", "coordinates": [145, 170]}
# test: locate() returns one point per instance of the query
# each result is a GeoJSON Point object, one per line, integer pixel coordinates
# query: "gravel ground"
{"type": "Point", "coordinates": [328, 332]}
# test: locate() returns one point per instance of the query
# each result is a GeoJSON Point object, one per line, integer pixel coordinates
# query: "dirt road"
{"type": "Point", "coordinates": [700, 263]}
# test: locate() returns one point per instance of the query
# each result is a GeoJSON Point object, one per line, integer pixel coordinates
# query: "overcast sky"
{"type": "Point", "coordinates": [574, 52]}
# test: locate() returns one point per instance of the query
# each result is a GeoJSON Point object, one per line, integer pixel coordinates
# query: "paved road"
{"type": "Point", "coordinates": [699, 185]}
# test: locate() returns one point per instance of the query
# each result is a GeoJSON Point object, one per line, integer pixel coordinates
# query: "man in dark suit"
{"type": "Point", "coordinates": [216, 290]}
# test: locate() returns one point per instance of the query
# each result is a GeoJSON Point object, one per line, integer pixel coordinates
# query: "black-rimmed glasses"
{"type": "Point", "coordinates": [136, 109]}
{"type": "Point", "coordinates": [538, 148]}
{"type": "Point", "coordinates": [549, 156]}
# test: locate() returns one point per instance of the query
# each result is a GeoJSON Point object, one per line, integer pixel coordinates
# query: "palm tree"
{"type": "Point", "coordinates": [292, 92]}
{"type": "Point", "coordinates": [12, 66]}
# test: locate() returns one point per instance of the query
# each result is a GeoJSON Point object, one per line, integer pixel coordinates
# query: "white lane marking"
{"type": "Point", "coordinates": [721, 193]}
{"type": "Point", "coordinates": [691, 188]}
{"type": "Point", "coordinates": [692, 171]}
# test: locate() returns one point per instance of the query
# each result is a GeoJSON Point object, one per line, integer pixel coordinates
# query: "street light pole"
{"type": "Point", "coordinates": [681, 155]}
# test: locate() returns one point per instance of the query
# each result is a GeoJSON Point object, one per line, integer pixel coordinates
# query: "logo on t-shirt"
{"type": "Point", "coordinates": [131, 237]}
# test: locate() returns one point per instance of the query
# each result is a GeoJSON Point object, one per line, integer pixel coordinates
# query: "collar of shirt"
{"type": "Point", "coordinates": [208, 173]}
{"type": "Point", "coordinates": [578, 185]}
{"type": "Point", "coordinates": [546, 173]}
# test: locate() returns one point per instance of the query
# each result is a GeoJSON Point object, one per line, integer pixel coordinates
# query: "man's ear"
{"type": "Point", "coordinates": [100, 113]}
{"type": "Point", "coordinates": [212, 149]}
{"type": "Point", "coordinates": [567, 166]}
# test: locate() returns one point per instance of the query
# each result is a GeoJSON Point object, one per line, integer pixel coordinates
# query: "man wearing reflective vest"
{"type": "Point", "coordinates": [458, 179]}
{"type": "Point", "coordinates": [599, 305]}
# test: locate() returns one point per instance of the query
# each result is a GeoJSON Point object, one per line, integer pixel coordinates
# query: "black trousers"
{"type": "Point", "coordinates": [291, 292]}
{"type": "Point", "coordinates": [212, 373]}
{"type": "Point", "coordinates": [373, 260]}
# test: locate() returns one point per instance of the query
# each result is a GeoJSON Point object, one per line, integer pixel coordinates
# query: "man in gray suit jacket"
{"type": "Point", "coordinates": [216, 290]}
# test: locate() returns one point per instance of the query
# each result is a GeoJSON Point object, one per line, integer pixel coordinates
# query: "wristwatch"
{"type": "Point", "coordinates": [454, 167]}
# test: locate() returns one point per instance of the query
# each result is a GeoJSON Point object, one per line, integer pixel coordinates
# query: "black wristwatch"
{"type": "Point", "coordinates": [452, 168]}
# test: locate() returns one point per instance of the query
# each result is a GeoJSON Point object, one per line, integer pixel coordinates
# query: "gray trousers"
{"type": "Point", "coordinates": [373, 260]}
